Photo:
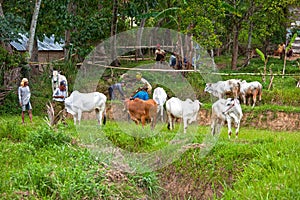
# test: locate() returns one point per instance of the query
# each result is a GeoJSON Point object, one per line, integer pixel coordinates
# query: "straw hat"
{"type": "Point", "coordinates": [138, 75]}
{"type": "Point", "coordinates": [24, 80]}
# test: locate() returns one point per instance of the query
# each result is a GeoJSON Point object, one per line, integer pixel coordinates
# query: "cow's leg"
{"type": "Point", "coordinates": [237, 129]}
{"type": "Point", "coordinates": [173, 122]}
{"type": "Point", "coordinates": [75, 118]}
{"type": "Point", "coordinates": [170, 121]}
{"type": "Point", "coordinates": [212, 127]}
{"type": "Point", "coordinates": [259, 94]}
{"type": "Point", "coordinates": [79, 116]}
{"type": "Point", "coordinates": [133, 118]}
{"type": "Point", "coordinates": [228, 119]}
{"type": "Point", "coordinates": [236, 123]}
{"type": "Point", "coordinates": [244, 99]}
{"type": "Point", "coordinates": [254, 97]}
{"type": "Point", "coordinates": [99, 116]}
{"type": "Point", "coordinates": [162, 113]}
{"type": "Point", "coordinates": [185, 123]}
{"type": "Point", "coordinates": [143, 121]}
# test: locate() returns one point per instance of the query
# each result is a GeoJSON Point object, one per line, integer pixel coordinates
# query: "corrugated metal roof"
{"type": "Point", "coordinates": [47, 44]}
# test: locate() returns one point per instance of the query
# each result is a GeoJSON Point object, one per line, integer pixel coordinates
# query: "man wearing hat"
{"type": "Point", "coordinates": [159, 53]}
{"type": "Point", "coordinates": [24, 98]}
{"type": "Point", "coordinates": [59, 96]}
{"type": "Point", "coordinates": [139, 78]}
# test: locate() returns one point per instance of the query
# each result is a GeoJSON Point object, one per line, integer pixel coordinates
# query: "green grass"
{"type": "Point", "coordinates": [259, 165]}
{"type": "Point", "coordinates": [70, 162]}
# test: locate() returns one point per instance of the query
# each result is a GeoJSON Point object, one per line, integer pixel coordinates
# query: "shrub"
{"type": "Point", "coordinates": [47, 137]}
{"type": "Point", "coordinates": [13, 131]}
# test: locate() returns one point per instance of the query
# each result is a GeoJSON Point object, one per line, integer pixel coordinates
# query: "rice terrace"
{"type": "Point", "coordinates": [83, 84]}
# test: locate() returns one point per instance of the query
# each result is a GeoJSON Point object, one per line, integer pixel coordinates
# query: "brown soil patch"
{"type": "Point", "coordinates": [277, 121]}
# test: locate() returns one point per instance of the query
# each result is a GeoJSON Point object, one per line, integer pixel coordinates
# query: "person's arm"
{"type": "Point", "coordinates": [55, 94]}
{"type": "Point", "coordinates": [20, 96]}
{"type": "Point", "coordinates": [29, 93]}
{"type": "Point", "coordinates": [135, 96]}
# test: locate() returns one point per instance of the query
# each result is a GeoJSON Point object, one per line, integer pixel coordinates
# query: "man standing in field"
{"type": "Point", "coordinates": [24, 98]}
{"type": "Point", "coordinates": [59, 96]}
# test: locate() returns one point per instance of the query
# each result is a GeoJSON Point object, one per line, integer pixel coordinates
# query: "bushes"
{"type": "Point", "coordinates": [12, 131]}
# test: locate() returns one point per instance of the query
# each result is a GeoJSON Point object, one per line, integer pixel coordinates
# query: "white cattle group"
{"type": "Point", "coordinates": [236, 89]}
{"type": "Point", "coordinates": [186, 110]}
{"type": "Point", "coordinates": [223, 110]}
{"type": "Point", "coordinates": [222, 88]}
{"type": "Point", "coordinates": [228, 110]}
{"type": "Point", "coordinates": [77, 103]}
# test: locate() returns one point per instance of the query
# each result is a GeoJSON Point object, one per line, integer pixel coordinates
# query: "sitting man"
{"type": "Point", "coordinates": [142, 94]}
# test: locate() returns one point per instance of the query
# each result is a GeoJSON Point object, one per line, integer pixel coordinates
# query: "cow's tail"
{"type": "Point", "coordinates": [104, 117]}
{"type": "Point", "coordinates": [259, 93]}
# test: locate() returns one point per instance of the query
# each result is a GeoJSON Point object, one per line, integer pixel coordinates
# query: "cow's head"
{"type": "Point", "coordinates": [235, 85]}
{"type": "Point", "coordinates": [69, 105]}
{"type": "Point", "coordinates": [55, 74]}
{"type": "Point", "coordinates": [208, 88]}
{"type": "Point", "coordinates": [230, 104]}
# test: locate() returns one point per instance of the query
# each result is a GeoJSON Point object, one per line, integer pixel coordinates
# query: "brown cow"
{"type": "Point", "coordinates": [141, 111]}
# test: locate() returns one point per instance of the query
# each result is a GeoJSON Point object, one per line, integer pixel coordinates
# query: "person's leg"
{"type": "Point", "coordinates": [62, 116]}
{"type": "Point", "coordinates": [29, 108]}
{"type": "Point", "coordinates": [110, 92]}
{"type": "Point", "coordinates": [30, 115]}
{"type": "Point", "coordinates": [22, 117]}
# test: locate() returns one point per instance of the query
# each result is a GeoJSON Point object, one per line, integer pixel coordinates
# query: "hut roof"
{"type": "Point", "coordinates": [47, 44]}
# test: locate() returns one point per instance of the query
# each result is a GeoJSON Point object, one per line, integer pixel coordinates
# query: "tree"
{"type": "Point", "coordinates": [10, 28]}
{"type": "Point", "coordinates": [33, 27]}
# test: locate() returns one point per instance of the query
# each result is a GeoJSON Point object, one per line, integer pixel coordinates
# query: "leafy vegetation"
{"type": "Point", "coordinates": [40, 162]}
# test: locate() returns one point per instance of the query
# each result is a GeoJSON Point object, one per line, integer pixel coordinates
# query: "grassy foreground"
{"type": "Point", "coordinates": [38, 162]}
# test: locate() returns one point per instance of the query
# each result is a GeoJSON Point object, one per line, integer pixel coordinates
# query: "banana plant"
{"type": "Point", "coordinates": [265, 60]}
{"type": "Point", "coordinates": [286, 51]}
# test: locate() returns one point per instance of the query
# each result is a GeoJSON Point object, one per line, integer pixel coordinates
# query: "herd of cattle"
{"type": "Point", "coordinates": [223, 110]}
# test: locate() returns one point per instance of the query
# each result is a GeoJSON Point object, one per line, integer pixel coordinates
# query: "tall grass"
{"type": "Point", "coordinates": [38, 162]}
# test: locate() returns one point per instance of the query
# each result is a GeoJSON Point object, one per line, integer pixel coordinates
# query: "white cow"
{"type": "Point", "coordinates": [78, 102]}
{"type": "Point", "coordinates": [221, 88]}
{"type": "Point", "coordinates": [251, 89]}
{"type": "Point", "coordinates": [226, 110]}
{"type": "Point", "coordinates": [160, 97]}
{"type": "Point", "coordinates": [56, 79]}
{"type": "Point", "coordinates": [187, 110]}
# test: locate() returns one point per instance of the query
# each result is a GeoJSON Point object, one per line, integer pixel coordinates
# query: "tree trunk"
{"type": "Point", "coordinates": [138, 51]}
{"type": "Point", "coordinates": [113, 31]}
{"type": "Point", "coordinates": [235, 48]}
{"type": "Point", "coordinates": [3, 44]}
{"type": "Point", "coordinates": [1, 9]}
{"type": "Point", "coordinates": [35, 50]}
{"type": "Point", "coordinates": [67, 49]}
{"type": "Point", "coordinates": [249, 43]}
{"type": "Point", "coordinates": [33, 27]}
